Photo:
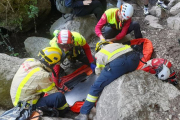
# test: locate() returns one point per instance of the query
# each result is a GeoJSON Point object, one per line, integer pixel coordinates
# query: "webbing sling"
{"type": "Point", "coordinates": [64, 80]}
{"type": "Point", "coordinates": [73, 82]}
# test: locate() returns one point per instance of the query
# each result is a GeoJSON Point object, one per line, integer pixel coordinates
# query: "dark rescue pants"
{"type": "Point", "coordinates": [82, 58]}
{"type": "Point", "coordinates": [109, 32]}
{"type": "Point", "coordinates": [55, 100]}
{"type": "Point", "coordinates": [95, 8]}
{"type": "Point", "coordinates": [116, 68]}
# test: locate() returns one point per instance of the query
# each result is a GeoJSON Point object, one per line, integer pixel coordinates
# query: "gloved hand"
{"type": "Point", "coordinates": [93, 66]}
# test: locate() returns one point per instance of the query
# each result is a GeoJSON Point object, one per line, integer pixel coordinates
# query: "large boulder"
{"type": "Point", "coordinates": [175, 9]}
{"type": "Point", "coordinates": [18, 14]}
{"type": "Point", "coordinates": [8, 67]}
{"type": "Point", "coordinates": [153, 21]}
{"type": "Point", "coordinates": [174, 22]}
{"type": "Point", "coordinates": [138, 96]}
{"type": "Point", "coordinates": [55, 118]}
{"type": "Point", "coordinates": [34, 44]}
{"type": "Point", "coordinates": [84, 25]}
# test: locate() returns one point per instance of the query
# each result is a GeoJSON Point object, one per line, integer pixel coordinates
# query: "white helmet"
{"type": "Point", "coordinates": [163, 72]}
{"type": "Point", "coordinates": [162, 68]}
{"type": "Point", "coordinates": [127, 11]}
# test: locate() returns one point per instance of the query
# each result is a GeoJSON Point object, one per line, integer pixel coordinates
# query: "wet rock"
{"type": "Point", "coordinates": [8, 67]}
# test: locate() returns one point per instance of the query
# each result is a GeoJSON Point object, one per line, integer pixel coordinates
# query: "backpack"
{"type": "Point", "coordinates": [60, 5]}
{"type": "Point", "coordinates": [21, 112]}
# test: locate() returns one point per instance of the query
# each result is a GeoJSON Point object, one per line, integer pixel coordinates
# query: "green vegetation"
{"type": "Point", "coordinates": [5, 41]}
{"type": "Point", "coordinates": [18, 14]}
{"type": "Point", "coordinates": [32, 12]}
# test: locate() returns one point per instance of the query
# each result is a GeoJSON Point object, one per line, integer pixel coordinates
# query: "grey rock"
{"type": "Point", "coordinates": [136, 96]}
{"type": "Point", "coordinates": [175, 9]}
{"type": "Point", "coordinates": [174, 22]}
{"type": "Point", "coordinates": [153, 21]}
{"type": "Point", "coordinates": [172, 3]}
{"type": "Point", "coordinates": [8, 67]}
{"type": "Point", "coordinates": [55, 118]}
{"type": "Point", "coordinates": [34, 44]}
{"type": "Point", "coordinates": [155, 11]}
{"type": "Point", "coordinates": [84, 25]}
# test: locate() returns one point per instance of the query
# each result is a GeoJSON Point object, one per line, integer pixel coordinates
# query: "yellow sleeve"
{"type": "Point", "coordinates": [83, 41]}
{"type": "Point", "coordinates": [46, 85]}
{"type": "Point", "coordinates": [100, 64]}
{"type": "Point", "coordinates": [53, 43]}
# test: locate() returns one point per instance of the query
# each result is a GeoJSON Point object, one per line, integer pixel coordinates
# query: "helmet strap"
{"type": "Point", "coordinates": [46, 66]}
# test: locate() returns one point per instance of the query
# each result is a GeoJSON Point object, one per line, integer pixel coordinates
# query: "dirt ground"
{"type": "Point", "coordinates": [165, 41]}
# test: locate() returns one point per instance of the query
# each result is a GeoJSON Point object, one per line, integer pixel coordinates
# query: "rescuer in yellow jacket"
{"type": "Point", "coordinates": [74, 47]}
{"type": "Point", "coordinates": [33, 79]}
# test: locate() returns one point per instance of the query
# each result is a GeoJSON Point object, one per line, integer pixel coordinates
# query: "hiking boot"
{"type": "Point", "coordinates": [81, 117]}
{"type": "Point", "coordinates": [161, 5]}
{"type": "Point", "coordinates": [146, 10]}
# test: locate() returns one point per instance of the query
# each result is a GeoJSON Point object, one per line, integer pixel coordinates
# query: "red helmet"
{"type": "Point", "coordinates": [64, 37]}
{"type": "Point", "coordinates": [161, 68]}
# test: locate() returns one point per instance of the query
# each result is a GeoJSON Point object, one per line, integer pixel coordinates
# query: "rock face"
{"type": "Point", "coordinates": [175, 9]}
{"type": "Point", "coordinates": [84, 25]}
{"type": "Point", "coordinates": [153, 21]}
{"type": "Point", "coordinates": [54, 118]}
{"type": "Point", "coordinates": [15, 14]}
{"type": "Point", "coordinates": [138, 96]}
{"type": "Point", "coordinates": [8, 67]}
{"type": "Point", "coordinates": [174, 22]}
{"type": "Point", "coordinates": [34, 44]}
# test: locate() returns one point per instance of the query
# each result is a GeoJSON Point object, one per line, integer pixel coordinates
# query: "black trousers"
{"type": "Point", "coordinates": [104, 4]}
{"type": "Point", "coordinates": [109, 32]}
{"type": "Point", "coordinates": [83, 58]}
{"type": "Point", "coordinates": [95, 8]}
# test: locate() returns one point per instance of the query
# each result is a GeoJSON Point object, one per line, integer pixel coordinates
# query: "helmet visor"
{"type": "Point", "coordinates": [65, 46]}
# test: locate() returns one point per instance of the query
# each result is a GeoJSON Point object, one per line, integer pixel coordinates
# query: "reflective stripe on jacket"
{"type": "Point", "coordinates": [108, 53]}
{"type": "Point", "coordinates": [30, 81]}
{"type": "Point", "coordinates": [111, 15]}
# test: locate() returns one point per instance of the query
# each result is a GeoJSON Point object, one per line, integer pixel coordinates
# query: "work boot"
{"type": "Point", "coordinates": [146, 10]}
{"type": "Point", "coordinates": [161, 5]}
{"type": "Point", "coordinates": [81, 117]}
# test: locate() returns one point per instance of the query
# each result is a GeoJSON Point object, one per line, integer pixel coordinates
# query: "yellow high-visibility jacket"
{"type": "Point", "coordinates": [30, 81]}
{"type": "Point", "coordinates": [108, 53]}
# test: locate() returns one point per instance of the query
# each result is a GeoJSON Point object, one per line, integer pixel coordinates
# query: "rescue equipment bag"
{"type": "Point", "coordinates": [68, 82]}
{"type": "Point", "coordinates": [145, 47]}
{"type": "Point", "coordinates": [21, 112]}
